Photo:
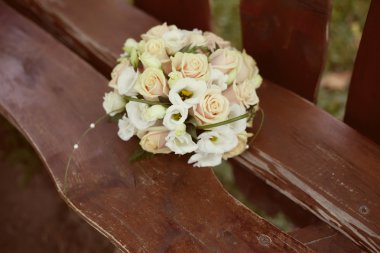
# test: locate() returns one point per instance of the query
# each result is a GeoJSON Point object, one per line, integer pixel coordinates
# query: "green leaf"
{"type": "Point", "coordinates": [116, 117]}
{"type": "Point", "coordinates": [192, 130]}
{"type": "Point", "coordinates": [140, 154]}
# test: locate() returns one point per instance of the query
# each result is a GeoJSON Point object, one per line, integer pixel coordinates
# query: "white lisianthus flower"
{"type": "Point", "coordinates": [154, 112]}
{"type": "Point", "coordinates": [201, 159]}
{"type": "Point", "coordinates": [180, 144]}
{"type": "Point", "coordinates": [175, 40]}
{"type": "Point", "coordinates": [126, 82]}
{"type": "Point", "coordinates": [135, 113]}
{"type": "Point", "coordinates": [149, 60]}
{"type": "Point", "coordinates": [217, 141]}
{"type": "Point", "coordinates": [175, 116]}
{"type": "Point", "coordinates": [196, 39]}
{"type": "Point", "coordinates": [187, 92]}
{"type": "Point", "coordinates": [237, 110]}
{"type": "Point", "coordinates": [180, 129]}
{"type": "Point", "coordinates": [246, 91]}
{"type": "Point", "coordinates": [126, 128]}
{"type": "Point", "coordinates": [113, 103]}
{"type": "Point", "coordinates": [218, 78]}
{"type": "Point", "coordinates": [240, 147]}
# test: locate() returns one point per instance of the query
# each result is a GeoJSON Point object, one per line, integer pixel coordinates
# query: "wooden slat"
{"type": "Point", "coordinates": [51, 96]}
{"type": "Point", "coordinates": [185, 14]}
{"type": "Point", "coordinates": [363, 109]}
{"type": "Point", "coordinates": [288, 39]}
{"type": "Point", "coordinates": [324, 239]}
{"type": "Point", "coordinates": [59, 17]}
{"type": "Point", "coordinates": [318, 162]}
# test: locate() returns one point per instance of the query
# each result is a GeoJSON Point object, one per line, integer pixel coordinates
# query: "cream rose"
{"type": "Point", "coordinates": [152, 84]}
{"type": "Point", "coordinates": [157, 31]}
{"type": "Point", "coordinates": [246, 92]}
{"type": "Point", "coordinates": [156, 47]}
{"type": "Point", "coordinates": [240, 147]}
{"type": "Point", "coordinates": [226, 60]}
{"type": "Point", "coordinates": [213, 107]}
{"type": "Point", "coordinates": [214, 41]}
{"type": "Point", "coordinates": [113, 103]}
{"type": "Point", "coordinates": [196, 39]}
{"type": "Point", "coordinates": [191, 65]}
{"type": "Point", "coordinates": [154, 140]}
{"type": "Point", "coordinates": [246, 69]}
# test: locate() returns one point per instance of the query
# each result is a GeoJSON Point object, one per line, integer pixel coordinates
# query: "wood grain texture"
{"type": "Point", "coordinates": [317, 161]}
{"type": "Point", "coordinates": [320, 163]}
{"type": "Point", "coordinates": [52, 96]}
{"type": "Point", "coordinates": [184, 14]}
{"type": "Point", "coordinates": [363, 108]}
{"type": "Point", "coordinates": [76, 23]}
{"type": "Point", "coordinates": [288, 39]}
{"type": "Point", "coordinates": [324, 239]}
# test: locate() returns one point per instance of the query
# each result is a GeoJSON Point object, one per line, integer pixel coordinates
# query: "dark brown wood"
{"type": "Point", "coordinates": [288, 39]}
{"type": "Point", "coordinates": [59, 17]}
{"type": "Point", "coordinates": [363, 108]}
{"type": "Point", "coordinates": [320, 163]}
{"type": "Point", "coordinates": [324, 239]}
{"type": "Point", "coordinates": [52, 96]}
{"type": "Point", "coordinates": [33, 217]}
{"type": "Point", "coordinates": [184, 14]}
{"type": "Point", "coordinates": [317, 161]}
{"type": "Point", "coordinates": [268, 199]}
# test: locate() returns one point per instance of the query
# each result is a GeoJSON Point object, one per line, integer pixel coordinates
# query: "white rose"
{"type": "Point", "coordinates": [149, 61]}
{"type": "Point", "coordinates": [246, 92]}
{"type": "Point", "coordinates": [154, 140]}
{"type": "Point", "coordinates": [135, 113]}
{"type": "Point", "coordinates": [129, 45]}
{"type": "Point", "coordinates": [154, 112]}
{"type": "Point", "coordinates": [191, 65]}
{"type": "Point", "coordinates": [213, 107]}
{"type": "Point", "coordinates": [218, 140]}
{"type": "Point", "coordinates": [180, 144]}
{"type": "Point", "coordinates": [157, 31]}
{"type": "Point", "coordinates": [175, 40]}
{"type": "Point", "coordinates": [201, 159]}
{"type": "Point", "coordinates": [237, 110]}
{"type": "Point", "coordinates": [152, 84]}
{"type": "Point", "coordinates": [124, 78]}
{"type": "Point", "coordinates": [113, 103]}
{"type": "Point", "coordinates": [196, 39]}
{"type": "Point", "coordinates": [226, 60]}
{"type": "Point", "coordinates": [218, 78]}
{"type": "Point", "coordinates": [214, 41]}
{"type": "Point", "coordinates": [156, 47]}
{"type": "Point", "coordinates": [175, 116]}
{"type": "Point", "coordinates": [240, 147]}
{"type": "Point", "coordinates": [126, 129]}
{"type": "Point", "coordinates": [246, 69]}
{"type": "Point", "coordinates": [187, 92]}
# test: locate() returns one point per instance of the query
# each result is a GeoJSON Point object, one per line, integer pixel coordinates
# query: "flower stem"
{"type": "Point", "coordinates": [146, 101]}
{"type": "Point", "coordinates": [229, 121]}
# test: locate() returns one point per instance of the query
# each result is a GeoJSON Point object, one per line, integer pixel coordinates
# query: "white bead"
{"type": "Point", "coordinates": [76, 146]}
{"type": "Point", "coordinates": [92, 125]}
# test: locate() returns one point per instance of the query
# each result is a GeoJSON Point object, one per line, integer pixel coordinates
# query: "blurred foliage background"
{"type": "Point", "coordinates": [346, 27]}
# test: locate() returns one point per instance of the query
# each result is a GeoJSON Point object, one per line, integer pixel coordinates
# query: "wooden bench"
{"type": "Point", "coordinates": [51, 95]}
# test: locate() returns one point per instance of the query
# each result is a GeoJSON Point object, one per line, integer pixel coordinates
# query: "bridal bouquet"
{"type": "Point", "coordinates": [184, 92]}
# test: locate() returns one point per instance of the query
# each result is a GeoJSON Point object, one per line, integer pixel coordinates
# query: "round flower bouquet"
{"type": "Point", "coordinates": [184, 92]}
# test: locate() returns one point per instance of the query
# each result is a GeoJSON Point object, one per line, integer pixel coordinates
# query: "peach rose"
{"type": "Point", "coordinates": [214, 41]}
{"type": "Point", "coordinates": [226, 60]}
{"type": "Point", "coordinates": [246, 68]}
{"type": "Point", "coordinates": [156, 47]}
{"type": "Point", "coordinates": [154, 141]}
{"type": "Point", "coordinates": [246, 91]}
{"type": "Point", "coordinates": [212, 108]}
{"type": "Point", "coordinates": [191, 65]}
{"type": "Point", "coordinates": [152, 84]}
{"type": "Point", "coordinates": [157, 31]}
